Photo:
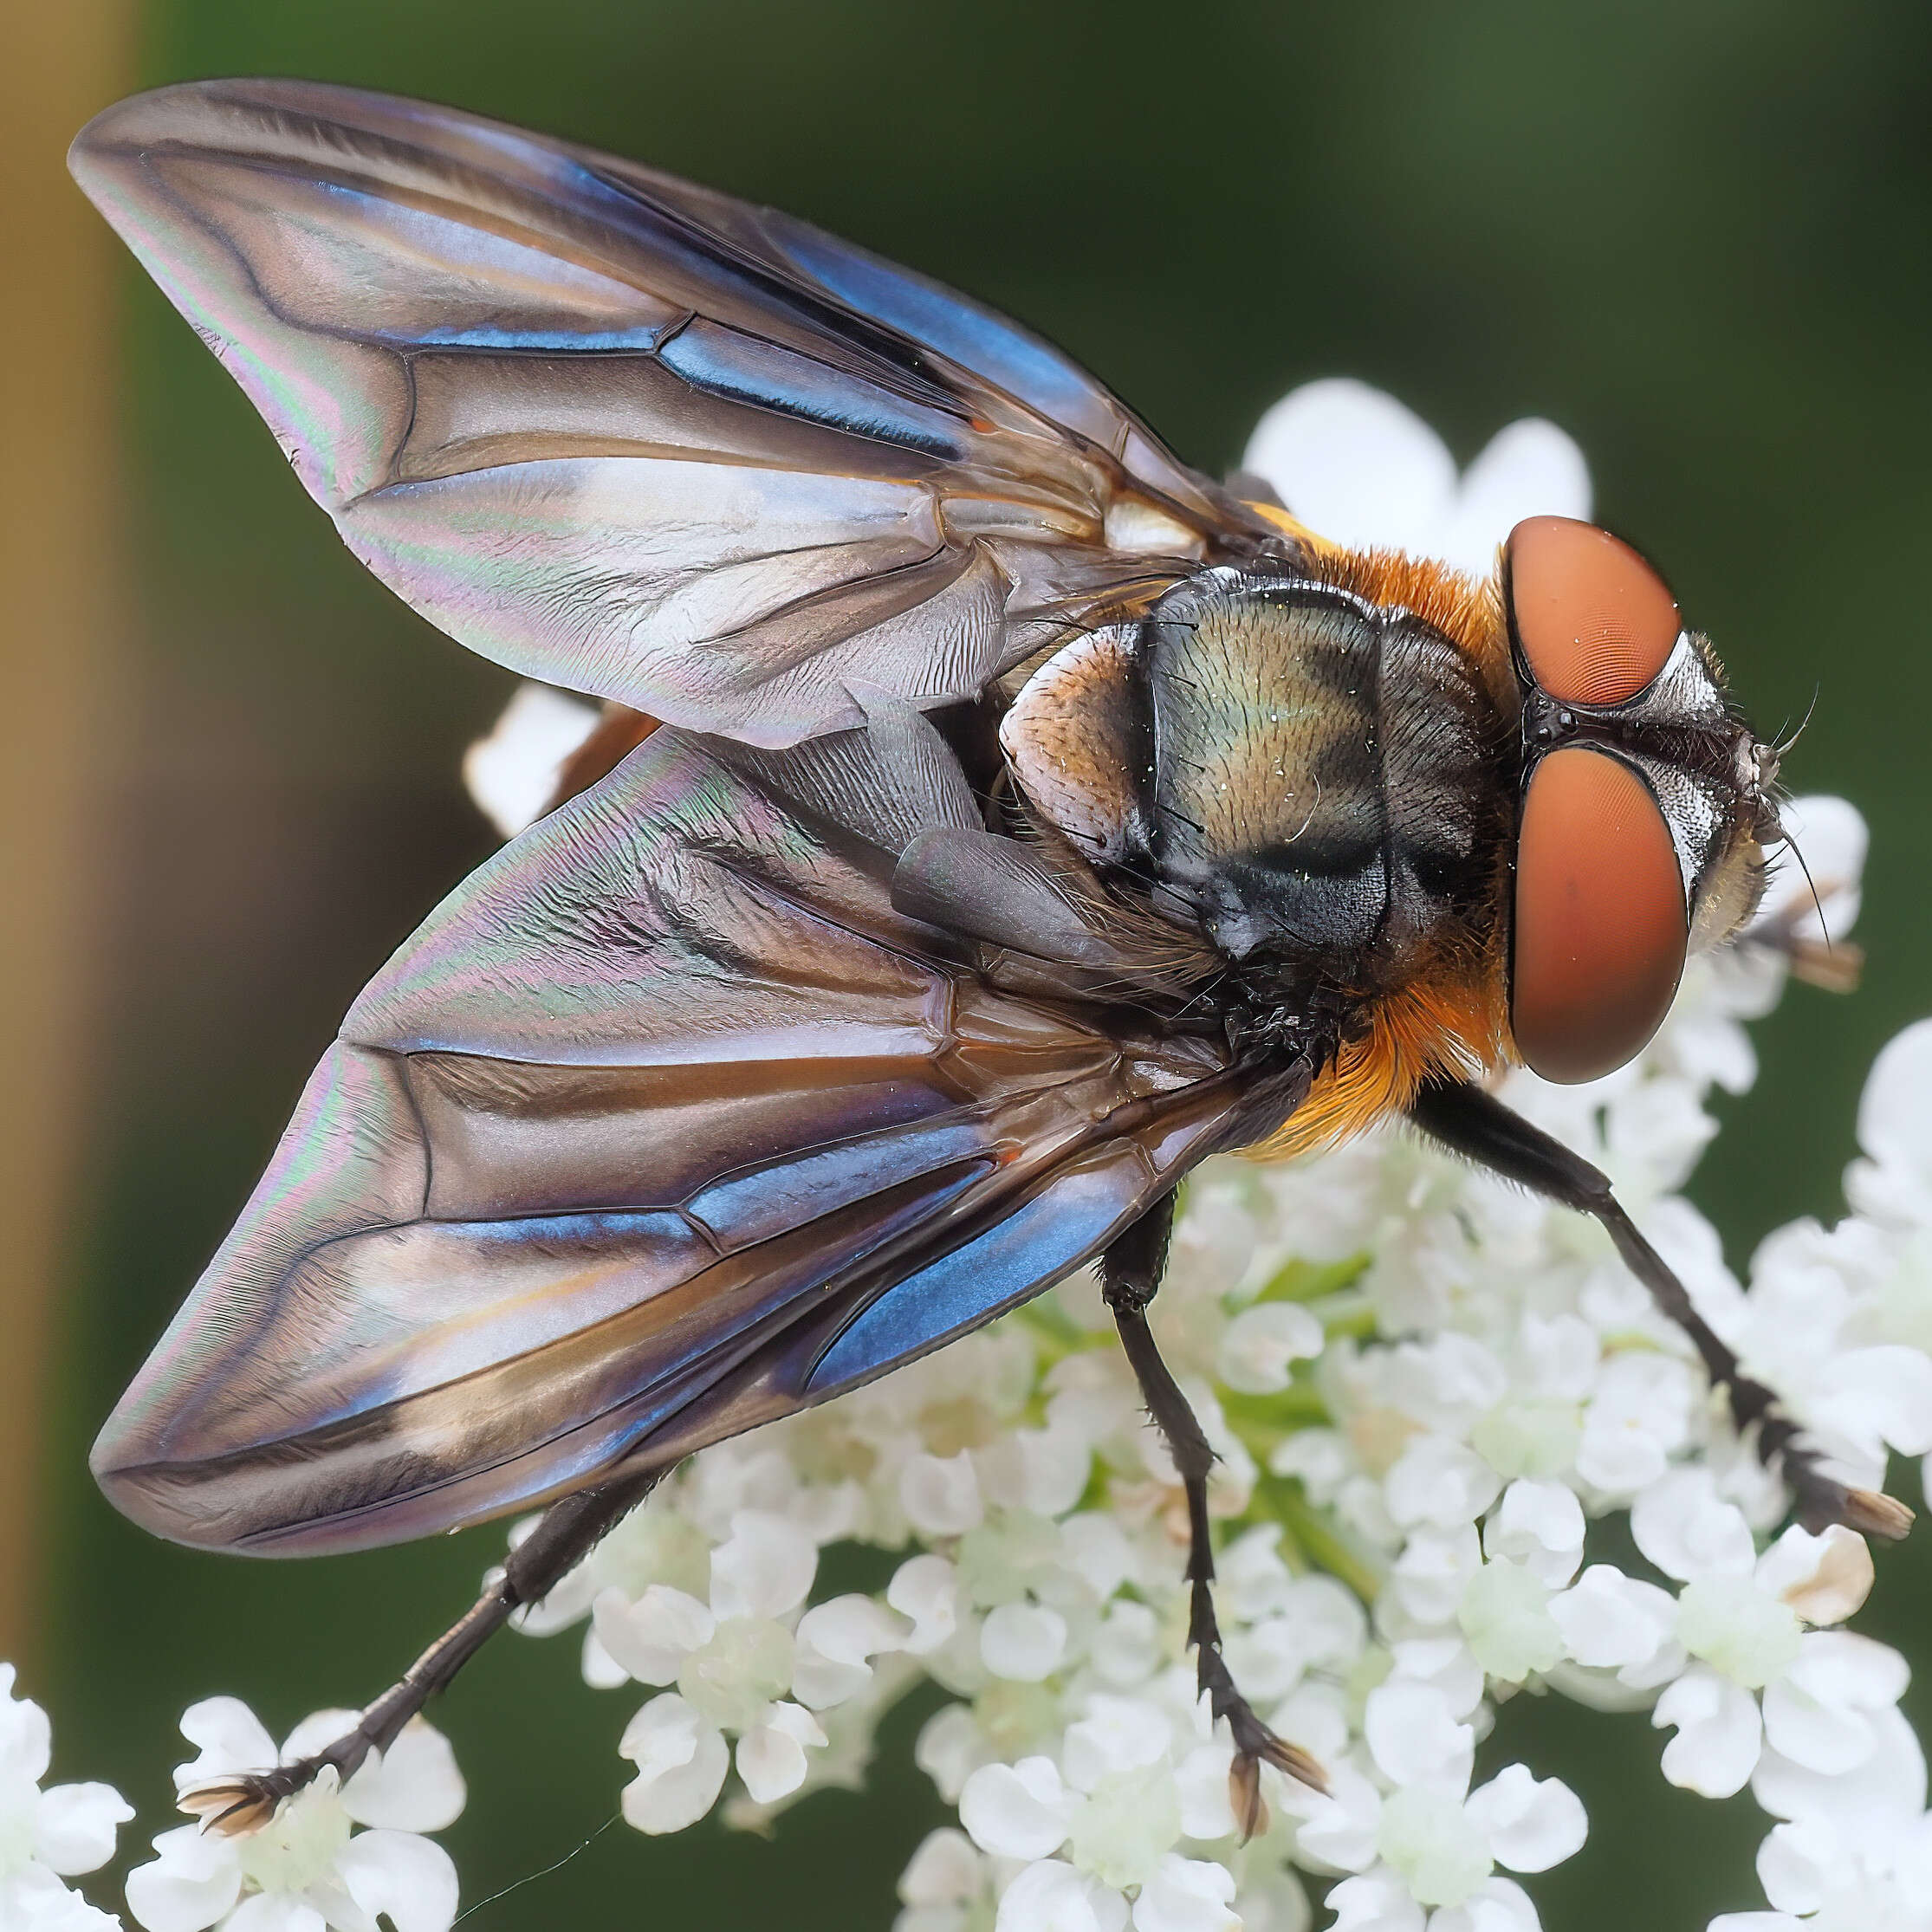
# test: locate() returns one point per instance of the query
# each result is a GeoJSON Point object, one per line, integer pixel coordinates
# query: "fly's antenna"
{"type": "Point", "coordinates": [531, 1878]}
{"type": "Point", "coordinates": [1784, 745]}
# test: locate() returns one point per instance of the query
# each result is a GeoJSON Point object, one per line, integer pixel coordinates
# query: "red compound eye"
{"type": "Point", "coordinates": [1594, 620]}
{"type": "Point", "coordinates": [1600, 927]}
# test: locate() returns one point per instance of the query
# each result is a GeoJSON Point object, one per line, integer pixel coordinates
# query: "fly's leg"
{"type": "Point", "coordinates": [565, 1533]}
{"type": "Point", "coordinates": [1130, 1272]}
{"type": "Point", "coordinates": [1475, 1123]}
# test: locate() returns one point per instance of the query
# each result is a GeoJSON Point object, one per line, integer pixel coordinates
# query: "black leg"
{"type": "Point", "coordinates": [1130, 1272]}
{"type": "Point", "coordinates": [1474, 1123]}
{"type": "Point", "coordinates": [565, 1533]}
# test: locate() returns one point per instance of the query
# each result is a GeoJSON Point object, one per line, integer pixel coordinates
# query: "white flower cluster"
{"type": "Point", "coordinates": [307, 1869]}
{"type": "Point", "coordinates": [47, 1837]}
{"type": "Point", "coordinates": [1444, 1414]}
{"type": "Point", "coordinates": [1424, 1387]}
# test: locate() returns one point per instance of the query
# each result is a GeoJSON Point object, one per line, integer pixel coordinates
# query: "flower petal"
{"type": "Point", "coordinates": [33, 1900]}
{"type": "Point", "coordinates": [651, 1637]}
{"type": "Point", "coordinates": [834, 1640]}
{"type": "Point", "coordinates": [1378, 1901]}
{"type": "Point", "coordinates": [771, 1755]}
{"type": "Point", "coordinates": [1355, 465]}
{"type": "Point", "coordinates": [316, 1733]}
{"type": "Point", "coordinates": [764, 1569]}
{"type": "Point", "coordinates": [1496, 1905]}
{"type": "Point", "coordinates": [1023, 1643]}
{"type": "Point", "coordinates": [74, 1826]}
{"type": "Point", "coordinates": [1051, 1896]}
{"type": "Point", "coordinates": [414, 1785]}
{"type": "Point", "coordinates": [409, 1879]}
{"type": "Point", "coordinates": [230, 1737]}
{"type": "Point", "coordinates": [1415, 1740]}
{"type": "Point", "coordinates": [1118, 1734]}
{"type": "Point", "coordinates": [26, 1736]}
{"type": "Point", "coordinates": [1018, 1811]}
{"type": "Point", "coordinates": [1825, 1579]}
{"type": "Point", "coordinates": [681, 1762]}
{"type": "Point", "coordinates": [1336, 1830]}
{"type": "Point", "coordinates": [944, 1870]}
{"type": "Point", "coordinates": [194, 1881]}
{"type": "Point", "coordinates": [940, 1494]}
{"type": "Point", "coordinates": [1895, 1112]}
{"type": "Point", "coordinates": [1540, 1526]}
{"type": "Point", "coordinates": [1532, 1824]}
{"type": "Point", "coordinates": [1610, 1621]}
{"type": "Point", "coordinates": [1832, 835]}
{"type": "Point", "coordinates": [512, 774]}
{"type": "Point", "coordinates": [926, 1589]}
{"type": "Point", "coordinates": [1259, 1348]}
{"type": "Point", "coordinates": [278, 1912]}
{"type": "Point", "coordinates": [1884, 1795]}
{"type": "Point", "coordinates": [1187, 1895]}
{"type": "Point", "coordinates": [1687, 1530]}
{"type": "Point", "coordinates": [1718, 1732]}
{"type": "Point", "coordinates": [1530, 468]}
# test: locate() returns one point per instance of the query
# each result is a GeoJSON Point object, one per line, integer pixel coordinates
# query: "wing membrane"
{"type": "Point", "coordinates": [665, 1123]}
{"type": "Point", "coordinates": [631, 436]}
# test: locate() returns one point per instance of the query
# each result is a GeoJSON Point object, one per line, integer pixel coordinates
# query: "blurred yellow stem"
{"type": "Point", "coordinates": [59, 64]}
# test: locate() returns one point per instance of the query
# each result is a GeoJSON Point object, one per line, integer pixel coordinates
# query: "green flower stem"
{"type": "Point", "coordinates": [1315, 1538]}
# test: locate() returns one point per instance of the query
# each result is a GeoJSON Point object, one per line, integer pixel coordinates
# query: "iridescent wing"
{"type": "Point", "coordinates": [664, 1123]}
{"type": "Point", "coordinates": [631, 437]}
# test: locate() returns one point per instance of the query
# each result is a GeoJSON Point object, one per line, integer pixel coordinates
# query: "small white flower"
{"type": "Point", "coordinates": [1050, 1897]}
{"type": "Point", "coordinates": [681, 1761]}
{"type": "Point", "coordinates": [1439, 1482]}
{"type": "Point", "coordinates": [1187, 1895]}
{"type": "Point", "coordinates": [835, 1643]}
{"type": "Point", "coordinates": [734, 1660]}
{"type": "Point", "coordinates": [512, 774]}
{"type": "Point", "coordinates": [47, 1835]}
{"type": "Point", "coordinates": [1442, 1839]}
{"type": "Point", "coordinates": [309, 1866]}
{"type": "Point", "coordinates": [941, 1495]}
{"type": "Point", "coordinates": [1358, 468]}
{"type": "Point", "coordinates": [1738, 1616]}
{"type": "Point", "coordinates": [1540, 1524]}
{"type": "Point", "coordinates": [1018, 1811]}
{"type": "Point", "coordinates": [1612, 1622]}
{"type": "Point", "coordinates": [925, 1589]}
{"type": "Point", "coordinates": [1506, 1619]}
{"type": "Point", "coordinates": [1638, 1417]}
{"type": "Point", "coordinates": [944, 1885]}
{"type": "Point", "coordinates": [1259, 1348]}
{"type": "Point", "coordinates": [1024, 1642]}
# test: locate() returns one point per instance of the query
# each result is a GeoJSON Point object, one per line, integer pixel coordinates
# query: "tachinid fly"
{"type": "Point", "coordinates": [993, 817]}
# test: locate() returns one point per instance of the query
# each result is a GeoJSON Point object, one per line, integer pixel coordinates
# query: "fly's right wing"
{"type": "Point", "coordinates": [631, 437]}
{"type": "Point", "coordinates": [664, 1123]}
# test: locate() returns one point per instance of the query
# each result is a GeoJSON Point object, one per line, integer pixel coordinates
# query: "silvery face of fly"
{"type": "Point", "coordinates": [994, 818]}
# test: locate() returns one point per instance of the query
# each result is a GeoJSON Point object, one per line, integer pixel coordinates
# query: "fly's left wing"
{"type": "Point", "coordinates": [631, 436]}
{"type": "Point", "coordinates": [664, 1123]}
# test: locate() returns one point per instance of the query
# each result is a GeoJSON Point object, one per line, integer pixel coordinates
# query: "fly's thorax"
{"type": "Point", "coordinates": [1319, 783]}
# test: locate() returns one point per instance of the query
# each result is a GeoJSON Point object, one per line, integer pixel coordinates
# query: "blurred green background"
{"type": "Point", "coordinates": [1693, 232]}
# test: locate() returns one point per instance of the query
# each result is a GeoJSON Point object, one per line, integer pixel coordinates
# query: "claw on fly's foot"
{"type": "Point", "coordinates": [1872, 1513]}
{"type": "Point", "coordinates": [231, 1808]}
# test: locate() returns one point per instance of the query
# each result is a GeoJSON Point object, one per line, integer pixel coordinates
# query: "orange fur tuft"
{"type": "Point", "coordinates": [1451, 1023]}
{"type": "Point", "coordinates": [1467, 611]}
